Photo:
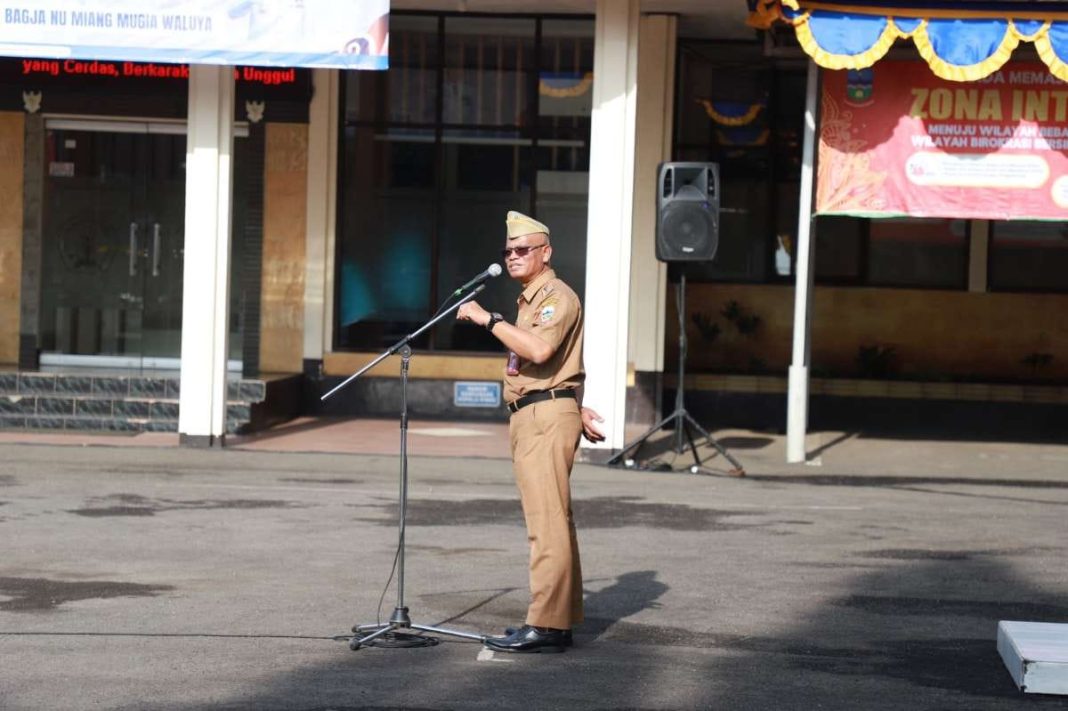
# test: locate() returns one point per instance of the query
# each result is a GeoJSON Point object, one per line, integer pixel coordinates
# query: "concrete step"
{"type": "Point", "coordinates": [15, 383]}
{"type": "Point", "coordinates": [103, 424]}
{"type": "Point", "coordinates": [105, 402]}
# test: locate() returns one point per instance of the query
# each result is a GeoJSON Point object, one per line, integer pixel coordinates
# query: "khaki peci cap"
{"type": "Point", "coordinates": [519, 224]}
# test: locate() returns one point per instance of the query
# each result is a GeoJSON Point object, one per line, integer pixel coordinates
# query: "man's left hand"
{"type": "Point", "coordinates": [589, 430]}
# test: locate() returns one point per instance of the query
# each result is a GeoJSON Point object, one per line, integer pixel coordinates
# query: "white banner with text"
{"type": "Point", "coordinates": [346, 34]}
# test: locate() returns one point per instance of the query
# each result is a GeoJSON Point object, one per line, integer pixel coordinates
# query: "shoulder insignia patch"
{"type": "Point", "coordinates": [547, 309]}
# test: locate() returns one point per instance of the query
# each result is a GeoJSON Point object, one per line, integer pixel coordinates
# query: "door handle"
{"type": "Point", "coordinates": [133, 249]}
{"type": "Point", "coordinates": [155, 250]}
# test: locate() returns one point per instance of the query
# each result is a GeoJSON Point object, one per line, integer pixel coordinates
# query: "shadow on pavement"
{"type": "Point", "coordinates": [661, 451]}
{"type": "Point", "coordinates": [286, 429]}
{"type": "Point", "coordinates": [629, 594]}
{"type": "Point", "coordinates": [919, 633]}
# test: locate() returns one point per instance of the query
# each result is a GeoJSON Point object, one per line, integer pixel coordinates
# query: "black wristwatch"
{"type": "Point", "coordinates": [494, 319]}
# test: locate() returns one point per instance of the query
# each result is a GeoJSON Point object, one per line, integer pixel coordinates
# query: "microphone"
{"type": "Point", "coordinates": [491, 271]}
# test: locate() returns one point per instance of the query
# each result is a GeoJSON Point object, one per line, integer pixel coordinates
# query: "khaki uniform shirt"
{"type": "Point", "coordinates": [550, 310]}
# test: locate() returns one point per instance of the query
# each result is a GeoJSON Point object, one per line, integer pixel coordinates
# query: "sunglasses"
{"type": "Point", "coordinates": [519, 251]}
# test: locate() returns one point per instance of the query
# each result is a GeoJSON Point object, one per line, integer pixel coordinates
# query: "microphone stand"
{"type": "Point", "coordinates": [400, 620]}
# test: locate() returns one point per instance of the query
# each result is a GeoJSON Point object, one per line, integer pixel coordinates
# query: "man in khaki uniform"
{"type": "Point", "coordinates": [543, 389]}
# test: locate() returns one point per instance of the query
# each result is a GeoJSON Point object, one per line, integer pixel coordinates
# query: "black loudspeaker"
{"type": "Point", "coordinates": [687, 212]}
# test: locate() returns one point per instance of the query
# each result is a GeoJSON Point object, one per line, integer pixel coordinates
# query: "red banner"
{"type": "Point", "coordinates": [897, 140]}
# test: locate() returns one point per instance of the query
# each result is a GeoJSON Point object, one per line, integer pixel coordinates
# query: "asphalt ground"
{"type": "Point", "coordinates": [872, 578]}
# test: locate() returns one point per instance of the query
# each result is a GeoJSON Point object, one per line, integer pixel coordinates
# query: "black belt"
{"type": "Point", "coordinates": [540, 395]}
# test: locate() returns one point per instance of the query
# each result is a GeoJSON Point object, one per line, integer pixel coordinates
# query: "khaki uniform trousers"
{"type": "Point", "coordinates": [545, 437]}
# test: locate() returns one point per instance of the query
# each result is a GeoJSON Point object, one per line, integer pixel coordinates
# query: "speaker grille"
{"type": "Point", "coordinates": [691, 231]}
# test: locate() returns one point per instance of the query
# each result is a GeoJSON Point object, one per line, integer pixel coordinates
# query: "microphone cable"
{"type": "Point", "coordinates": [389, 581]}
{"type": "Point", "coordinates": [444, 305]}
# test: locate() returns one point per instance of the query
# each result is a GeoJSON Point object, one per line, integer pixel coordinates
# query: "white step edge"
{"type": "Point", "coordinates": [1036, 655]}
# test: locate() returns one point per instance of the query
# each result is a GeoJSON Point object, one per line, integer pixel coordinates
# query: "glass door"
{"type": "Point", "coordinates": [113, 244]}
{"type": "Point", "coordinates": [93, 246]}
{"type": "Point", "coordinates": [160, 247]}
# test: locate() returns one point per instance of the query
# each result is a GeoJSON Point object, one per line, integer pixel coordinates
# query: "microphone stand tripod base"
{"type": "Point", "coordinates": [389, 636]}
{"type": "Point", "coordinates": [400, 632]}
{"type": "Point", "coordinates": [396, 640]}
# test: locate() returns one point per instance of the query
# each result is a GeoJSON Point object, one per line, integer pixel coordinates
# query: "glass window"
{"type": "Point", "coordinates": [1029, 256]}
{"type": "Point", "coordinates": [916, 252]}
{"type": "Point", "coordinates": [486, 176]}
{"type": "Point", "coordinates": [562, 157]}
{"type": "Point", "coordinates": [489, 65]}
{"type": "Point", "coordinates": [387, 191]}
{"type": "Point", "coordinates": [565, 77]}
{"type": "Point", "coordinates": [839, 244]}
{"type": "Point", "coordinates": [435, 156]}
{"type": "Point", "coordinates": [786, 216]}
{"type": "Point", "coordinates": [563, 182]}
{"type": "Point", "coordinates": [745, 113]}
{"type": "Point", "coordinates": [406, 92]}
{"type": "Point", "coordinates": [898, 252]}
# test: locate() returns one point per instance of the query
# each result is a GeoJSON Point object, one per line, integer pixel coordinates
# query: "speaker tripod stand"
{"type": "Point", "coordinates": [685, 424]}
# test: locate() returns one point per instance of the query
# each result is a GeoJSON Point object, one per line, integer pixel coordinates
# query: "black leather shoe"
{"type": "Point", "coordinates": [529, 640]}
{"type": "Point", "coordinates": [568, 640]}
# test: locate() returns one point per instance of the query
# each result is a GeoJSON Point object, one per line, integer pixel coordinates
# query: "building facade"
{"type": "Point", "coordinates": [361, 200]}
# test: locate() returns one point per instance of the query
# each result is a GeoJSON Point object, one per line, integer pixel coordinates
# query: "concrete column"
{"type": "Point", "coordinates": [655, 119]}
{"type": "Point", "coordinates": [322, 212]}
{"type": "Point", "coordinates": [608, 240]}
{"type": "Point", "coordinates": [282, 268]}
{"type": "Point", "coordinates": [33, 190]}
{"type": "Point", "coordinates": [797, 388]}
{"type": "Point", "coordinates": [12, 156]}
{"type": "Point", "coordinates": [206, 288]}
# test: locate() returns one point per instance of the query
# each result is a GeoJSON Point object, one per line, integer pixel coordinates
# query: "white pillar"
{"type": "Point", "coordinates": [322, 211]}
{"type": "Point", "coordinates": [206, 287]}
{"type": "Point", "coordinates": [797, 392]}
{"type": "Point", "coordinates": [608, 238]}
{"type": "Point", "coordinates": [655, 118]}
